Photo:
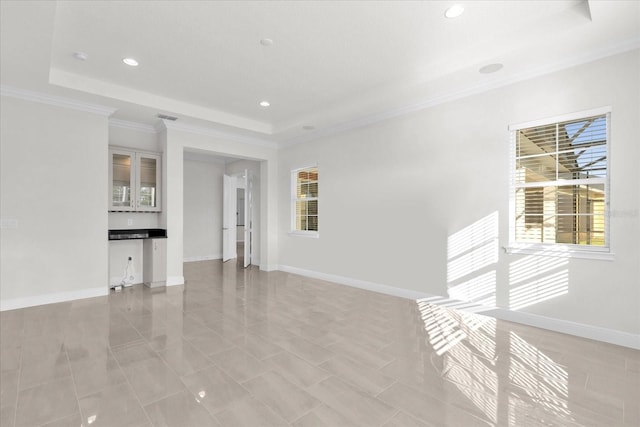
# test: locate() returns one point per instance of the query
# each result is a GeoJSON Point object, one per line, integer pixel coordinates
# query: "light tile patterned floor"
{"type": "Point", "coordinates": [247, 348]}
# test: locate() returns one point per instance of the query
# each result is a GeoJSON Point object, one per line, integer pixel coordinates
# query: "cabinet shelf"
{"type": "Point", "coordinates": [134, 181]}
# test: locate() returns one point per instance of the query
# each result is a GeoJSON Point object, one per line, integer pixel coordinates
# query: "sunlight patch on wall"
{"type": "Point", "coordinates": [472, 254]}
{"type": "Point", "coordinates": [534, 279]}
{"type": "Point", "coordinates": [480, 289]}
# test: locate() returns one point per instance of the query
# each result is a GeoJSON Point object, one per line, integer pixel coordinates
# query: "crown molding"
{"type": "Point", "coordinates": [55, 100]}
{"type": "Point", "coordinates": [625, 46]}
{"type": "Point", "coordinates": [155, 101]}
{"type": "Point", "coordinates": [215, 133]}
{"type": "Point", "coordinates": [139, 127]}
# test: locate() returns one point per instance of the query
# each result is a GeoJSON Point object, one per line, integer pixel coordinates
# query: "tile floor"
{"type": "Point", "coordinates": [247, 348]}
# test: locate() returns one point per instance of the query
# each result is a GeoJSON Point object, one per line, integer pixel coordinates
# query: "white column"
{"type": "Point", "coordinates": [172, 203]}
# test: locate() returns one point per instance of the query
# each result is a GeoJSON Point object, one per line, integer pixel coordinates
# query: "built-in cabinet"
{"type": "Point", "coordinates": [155, 262]}
{"type": "Point", "coordinates": [134, 180]}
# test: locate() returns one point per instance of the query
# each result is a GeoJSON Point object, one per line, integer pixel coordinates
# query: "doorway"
{"type": "Point", "coordinates": [204, 198]}
{"type": "Point", "coordinates": [237, 220]}
{"type": "Point", "coordinates": [240, 221]}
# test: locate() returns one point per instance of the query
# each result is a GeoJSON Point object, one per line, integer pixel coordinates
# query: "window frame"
{"type": "Point", "coordinates": [565, 250]}
{"type": "Point", "coordinates": [294, 199]}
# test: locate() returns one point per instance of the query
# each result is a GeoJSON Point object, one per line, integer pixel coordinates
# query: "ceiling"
{"type": "Point", "coordinates": [331, 64]}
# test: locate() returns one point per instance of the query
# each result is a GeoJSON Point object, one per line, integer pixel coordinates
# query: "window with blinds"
{"type": "Point", "coordinates": [305, 200]}
{"type": "Point", "coordinates": [559, 182]}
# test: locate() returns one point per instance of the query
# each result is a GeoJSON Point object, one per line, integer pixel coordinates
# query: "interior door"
{"type": "Point", "coordinates": [229, 218]}
{"type": "Point", "coordinates": [248, 208]}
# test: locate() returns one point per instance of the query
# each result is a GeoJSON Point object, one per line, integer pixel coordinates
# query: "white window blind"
{"type": "Point", "coordinates": [560, 182]}
{"type": "Point", "coordinates": [305, 200]}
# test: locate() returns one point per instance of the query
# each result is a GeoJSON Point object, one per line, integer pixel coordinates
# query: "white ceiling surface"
{"type": "Point", "coordinates": [331, 63]}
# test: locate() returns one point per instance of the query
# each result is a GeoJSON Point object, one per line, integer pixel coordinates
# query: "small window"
{"type": "Point", "coordinates": [559, 191]}
{"type": "Point", "coordinates": [304, 195]}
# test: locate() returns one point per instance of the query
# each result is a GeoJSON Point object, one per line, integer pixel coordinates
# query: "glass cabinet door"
{"type": "Point", "coordinates": [148, 177]}
{"type": "Point", "coordinates": [122, 184]}
{"type": "Point", "coordinates": [134, 181]}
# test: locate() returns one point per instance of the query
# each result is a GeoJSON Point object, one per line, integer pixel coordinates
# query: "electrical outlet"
{"type": "Point", "coordinates": [129, 221]}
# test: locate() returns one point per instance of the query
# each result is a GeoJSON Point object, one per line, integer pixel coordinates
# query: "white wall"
{"type": "Point", "coordinates": [202, 210]}
{"type": "Point", "coordinates": [53, 178]}
{"type": "Point", "coordinates": [173, 140]}
{"type": "Point", "coordinates": [138, 139]}
{"type": "Point", "coordinates": [447, 168]}
{"type": "Point", "coordinates": [203, 205]}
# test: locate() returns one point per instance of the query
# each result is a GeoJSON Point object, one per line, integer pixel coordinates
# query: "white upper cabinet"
{"type": "Point", "coordinates": [134, 181]}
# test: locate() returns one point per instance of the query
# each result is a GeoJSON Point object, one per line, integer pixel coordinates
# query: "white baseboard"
{"type": "Point", "coordinates": [175, 280]}
{"type": "Point", "coordinates": [356, 283]}
{"type": "Point", "coordinates": [33, 301]}
{"type": "Point", "coordinates": [117, 280]}
{"type": "Point", "coordinates": [610, 336]}
{"type": "Point", "coordinates": [597, 333]}
{"type": "Point", "coordinates": [269, 267]}
{"type": "Point", "coordinates": [254, 261]}
{"type": "Point", "coordinates": [201, 258]}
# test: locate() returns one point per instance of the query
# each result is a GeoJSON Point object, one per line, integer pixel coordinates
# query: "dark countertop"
{"type": "Point", "coordinates": [138, 233]}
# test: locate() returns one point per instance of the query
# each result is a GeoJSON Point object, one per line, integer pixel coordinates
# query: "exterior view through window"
{"type": "Point", "coordinates": [305, 200]}
{"type": "Point", "coordinates": [560, 182]}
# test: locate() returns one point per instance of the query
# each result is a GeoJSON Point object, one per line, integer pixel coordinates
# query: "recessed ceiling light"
{"type": "Point", "coordinates": [454, 11]}
{"type": "Point", "coordinates": [80, 56]}
{"type": "Point", "coordinates": [491, 68]}
{"type": "Point", "coordinates": [265, 104]}
{"type": "Point", "coordinates": [130, 61]}
{"type": "Point", "coordinates": [266, 42]}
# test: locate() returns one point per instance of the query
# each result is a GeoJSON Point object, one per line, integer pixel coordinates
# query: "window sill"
{"type": "Point", "coordinates": [559, 252]}
{"type": "Point", "coordinates": [308, 234]}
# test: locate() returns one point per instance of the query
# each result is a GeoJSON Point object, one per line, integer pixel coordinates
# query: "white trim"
{"type": "Point", "coordinates": [597, 333]}
{"type": "Point", "coordinates": [305, 166]}
{"type": "Point", "coordinates": [57, 101]}
{"type": "Point", "coordinates": [154, 101]}
{"type": "Point", "coordinates": [254, 261]}
{"type": "Point", "coordinates": [117, 280]}
{"type": "Point", "coordinates": [294, 199]}
{"type": "Point", "coordinates": [175, 280]}
{"type": "Point", "coordinates": [304, 233]}
{"type": "Point", "coordinates": [610, 336]}
{"type": "Point", "coordinates": [215, 133]}
{"type": "Point", "coordinates": [356, 283]}
{"type": "Point", "coordinates": [560, 251]}
{"type": "Point", "coordinates": [15, 303]}
{"type": "Point", "coordinates": [202, 258]}
{"type": "Point", "coordinates": [140, 127]}
{"type": "Point", "coordinates": [561, 182]}
{"type": "Point", "coordinates": [268, 267]}
{"type": "Point", "coordinates": [562, 118]}
{"type": "Point", "coordinates": [625, 46]}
